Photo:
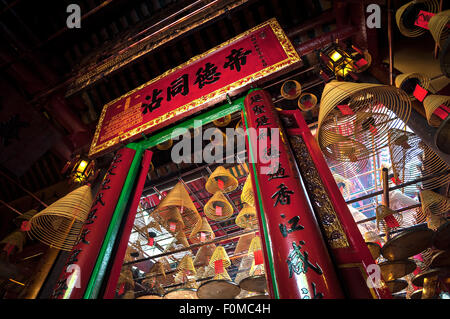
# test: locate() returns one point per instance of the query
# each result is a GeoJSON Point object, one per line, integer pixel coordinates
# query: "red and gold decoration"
{"type": "Point", "coordinates": [179, 92]}
{"type": "Point", "coordinates": [247, 217]}
{"type": "Point", "coordinates": [289, 232]}
{"type": "Point", "coordinates": [307, 101]}
{"type": "Point", "coordinates": [291, 90]}
{"type": "Point", "coordinates": [414, 84]}
{"type": "Point", "coordinates": [247, 195]}
{"type": "Point", "coordinates": [202, 232]}
{"type": "Point", "coordinates": [437, 108]}
{"type": "Point", "coordinates": [218, 207]}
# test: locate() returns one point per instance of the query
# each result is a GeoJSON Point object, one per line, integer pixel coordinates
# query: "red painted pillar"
{"type": "Point", "coordinates": [348, 248]}
{"type": "Point", "coordinates": [297, 262]}
{"type": "Point", "coordinates": [77, 271]}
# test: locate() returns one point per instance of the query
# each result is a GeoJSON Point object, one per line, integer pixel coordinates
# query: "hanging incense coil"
{"type": "Point", "coordinates": [224, 211]}
{"type": "Point", "coordinates": [165, 145]}
{"type": "Point", "coordinates": [243, 244]}
{"type": "Point", "coordinates": [247, 217]}
{"type": "Point", "coordinates": [291, 90]}
{"type": "Point", "coordinates": [411, 159]}
{"type": "Point", "coordinates": [16, 238]}
{"type": "Point", "coordinates": [438, 27]}
{"type": "Point", "coordinates": [181, 239]}
{"type": "Point", "coordinates": [307, 101]}
{"type": "Point", "coordinates": [354, 119]}
{"type": "Point", "coordinates": [343, 184]}
{"type": "Point", "coordinates": [255, 244]}
{"type": "Point", "coordinates": [126, 278]}
{"type": "Point", "coordinates": [170, 218]}
{"type": "Point", "coordinates": [431, 103]}
{"type": "Point", "coordinates": [407, 14]}
{"type": "Point", "coordinates": [408, 81]}
{"type": "Point", "coordinates": [434, 203]}
{"type": "Point", "coordinates": [202, 232]}
{"type": "Point", "coordinates": [245, 265]}
{"type": "Point", "coordinates": [222, 276]}
{"type": "Point", "coordinates": [219, 176]}
{"type": "Point", "coordinates": [247, 195]}
{"type": "Point", "coordinates": [186, 266]}
{"type": "Point", "coordinates": [223, 121]}
{"type": "Point", "coordinates": [368, 58]}
{"type": "Point", "coordinates": [414, 216]}
{"type": "Point", "coordinates": [218, 138]}
{"type": "Point", "coordinates": [177, 198]}
{"type": "Point", "coordinates": [59, 225]}
{"type": "Point", "coordinates": [204, 254]}
{"type": "Point", "coordinates": [220, 254]}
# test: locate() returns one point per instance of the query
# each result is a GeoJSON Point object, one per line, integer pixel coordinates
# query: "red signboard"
{"type": "Point", "coordinates": [203, 80]}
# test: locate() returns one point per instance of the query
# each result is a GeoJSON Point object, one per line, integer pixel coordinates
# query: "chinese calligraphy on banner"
{"type": "Point", "coordinates": [301, 263]}
{"type": "Point", "coordinates": [226, 69]}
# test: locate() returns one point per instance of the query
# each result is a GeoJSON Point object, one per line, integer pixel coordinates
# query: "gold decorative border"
{"type": "Point", "coordinates": [325, 211]}
{"type": "Point", "coordinates": [292, 57]}
{"type": "Point", "coordinates": [364, 274]}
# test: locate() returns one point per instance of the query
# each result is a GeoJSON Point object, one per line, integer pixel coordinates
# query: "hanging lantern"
{"type": "Point", "coordinates": [218, 207]}
{"type": "Point", "coordinates": [223, 121]}
{"type": "Point", "coordinates": [82, 170]}
{"type": "Point", "coordinates": [177, 211]}
{"type": "Point", "coordinates": [221, 180]}
{"type": "Point", "coordinates": [202, 232]}
{"type": "Point", "coordinates": [291, 90]}
{"type": "Point", "coordinates": [247, 195]}
{"type": "Point", "coordinates": [307, 101]}
{"type": "Point", "coordinates": [338, 61]}
{"type": "Point", "coordinates": [247, 217]}
{"type": "Point", "coordinates": [59, 225]}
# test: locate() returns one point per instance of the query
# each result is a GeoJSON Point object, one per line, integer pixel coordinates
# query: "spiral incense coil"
{"type": "Point", "coordinates": [204, 254]}
{"type": "Point", "coordinates": [202, 227]}
{"type": "Point", "coordinates": [247, 217]}
{"type": "Point", "coordinates": [218, 199]}
{"type": "Point", "coordinates": [406, 15]}
{"type": "Point", "coordinates": [438, 26]}
{"type": "Point", "coordinates": [434, 203]}
{"type": "Point", "coordinates": [343, 183]}
{"type": "Point", "coordinates": [408, 81]}
{"type": "Point", "coordinates": [230, 183]}
{"type": "Point", "coordinates": [59, 225]}
{"type": "Point", "coordinates": [181, 239]}
{"type": "Point", "coordinates": [245, 265]}
{"type": "Point", "coordinates": [220, 254]}
{"type": "Point", "coordinates": [354, 119]}
{"type": "Point", "coordinates": [431, 103]}
{"type": "Point", "coordinates": [307, 101]}
{"type": "Point", "coordinates": [222, 276]}
{"type": "Point", "coordinates": [223, 121]}
{"type": "Point", "coordinates": [177, 200]}
{"type": "Point", "coordinates": [291, 90]}
{"type": "Point", "coordinates": [411, 158]}
{"type": "Point", "coordinates": [186, 265]}
{"type": "Point", "coordinates": [165, 145]}
{"type": "Point", "coordinates": [368, 58]}
{"type": "Point", "coordinates": [397, 200]}
{"type": "Point", "coordinates": [243, 244]}
{"type": "Point", "coordinates": [247, 195]}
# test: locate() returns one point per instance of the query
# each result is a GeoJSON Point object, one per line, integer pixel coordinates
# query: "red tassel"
{"type": "Point", "coordinates": [420, 93]}
{"type": "Point", "coordinates": [218, 266]}
{"type": "Point", "coordinates": [219, 210]}
{"type": "Point", "coordinates": [220, 184]}
{"type": "Point", "coordinates": [345, 109]}
{"type": "Point", "coordinates": [391, 222]}
{"type": "Point", "coordinates": [258, 257]}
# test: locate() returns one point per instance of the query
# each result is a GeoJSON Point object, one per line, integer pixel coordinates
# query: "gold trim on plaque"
{"type": "Point", "coordinates": [320, 200]}
{"type": "Point", "coordinates": [292, 57]}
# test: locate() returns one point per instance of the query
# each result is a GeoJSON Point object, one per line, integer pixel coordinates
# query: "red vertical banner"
{"type": "Point", "coordinates": [347, 247]}
{"type": "Point", "coordinates": [300, 266]}
{"type": "Point", "coordinates": [77, 271]}
{"type": "Point", "coordinates": [130, 217]}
